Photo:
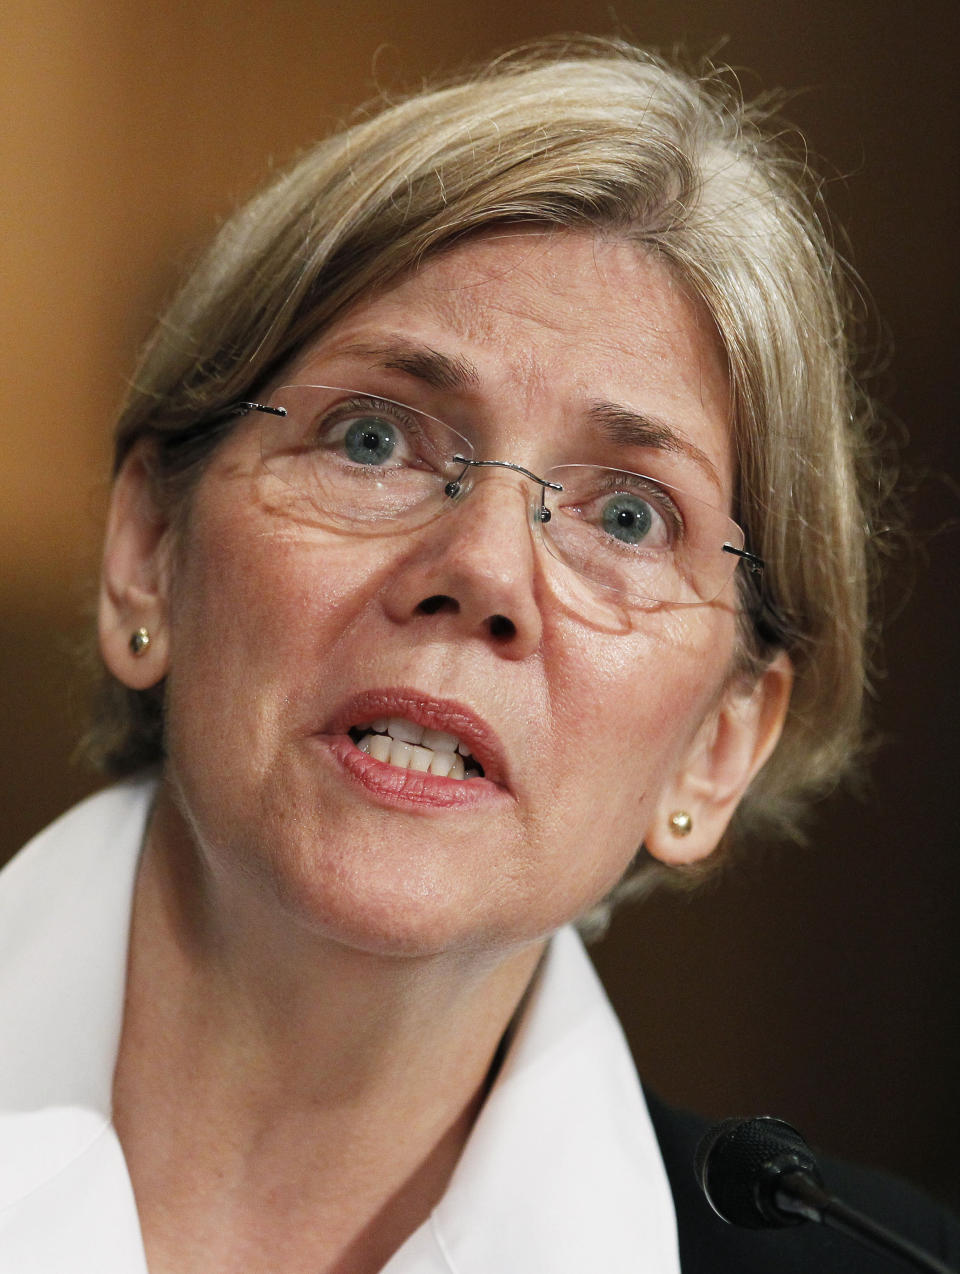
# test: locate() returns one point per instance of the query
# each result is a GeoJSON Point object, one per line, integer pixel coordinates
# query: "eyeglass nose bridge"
{"type": "Point", "coordinates": [455, 486]}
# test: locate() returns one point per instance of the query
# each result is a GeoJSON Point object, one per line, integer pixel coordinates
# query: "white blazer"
{"type": "Point", "coordinates": [561, 1173]}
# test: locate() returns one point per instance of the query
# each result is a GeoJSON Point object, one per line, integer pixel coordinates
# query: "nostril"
{"type": "Point", "coordinates": [438, 602]}
{"type": "Point", "coordinates": [502, 628]}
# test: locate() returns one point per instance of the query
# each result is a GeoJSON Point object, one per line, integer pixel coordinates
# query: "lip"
{"type": "Point", "coordinates": [433, 713]}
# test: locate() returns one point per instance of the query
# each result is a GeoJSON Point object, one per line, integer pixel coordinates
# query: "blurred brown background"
{"type": "Point", "coordinates": [820, 984]}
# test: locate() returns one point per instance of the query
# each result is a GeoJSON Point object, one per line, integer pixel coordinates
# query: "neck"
{"type": "Point", "coordinates": [259, 1060]}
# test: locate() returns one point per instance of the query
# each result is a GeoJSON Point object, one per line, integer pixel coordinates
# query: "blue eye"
{"type": "Point", "coordinates": [627, 518]}
{"type": "Point", "coordinates": [370, 440]}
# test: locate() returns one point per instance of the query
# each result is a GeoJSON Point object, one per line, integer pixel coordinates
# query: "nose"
{"type": "Point", "coordinates": [473, 569]}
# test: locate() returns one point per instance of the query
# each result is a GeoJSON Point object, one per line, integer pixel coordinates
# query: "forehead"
{"type": "Point", "coordinates": [549, 324]}
{"type": "Point", "coordinates": [606, 300]}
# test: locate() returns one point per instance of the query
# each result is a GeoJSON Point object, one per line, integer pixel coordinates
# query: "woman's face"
{"type": "Point", "coordinates": [279, 635]}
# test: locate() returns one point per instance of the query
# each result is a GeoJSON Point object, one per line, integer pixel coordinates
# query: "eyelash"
{"type": "Point", "coordinates": [417, 443]}
{"type": "Point", "coordinates": [376, 406]}
{"type": "Point", "coordinates": [657, 496]}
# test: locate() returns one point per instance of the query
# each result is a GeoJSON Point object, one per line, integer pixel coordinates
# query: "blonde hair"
{"type": "Point", "coordinates": [595, 135]}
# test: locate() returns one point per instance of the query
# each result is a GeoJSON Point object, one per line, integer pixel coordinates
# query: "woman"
{"type": "Point", "coordinates": [487, 505]}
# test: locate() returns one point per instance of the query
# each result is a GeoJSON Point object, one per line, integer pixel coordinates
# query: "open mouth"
{"type": "Point", "coordinates": [408, 746]}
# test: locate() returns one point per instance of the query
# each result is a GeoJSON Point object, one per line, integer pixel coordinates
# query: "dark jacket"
{"type": "Point", "coordinates": [709, 1245]}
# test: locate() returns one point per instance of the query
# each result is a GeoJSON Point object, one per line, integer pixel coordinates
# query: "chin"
{"type": "Point", "coordinates": [398, 909]}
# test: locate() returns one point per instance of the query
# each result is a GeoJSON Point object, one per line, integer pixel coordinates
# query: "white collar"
{"type": "Point", "coordinates": [65, 901]}
{"type": "Point", "coordinates": [561, 1173]}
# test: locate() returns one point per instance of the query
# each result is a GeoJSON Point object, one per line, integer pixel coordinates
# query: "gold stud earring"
{"type": "Point", "coordinates": [139, 641]}
{"type": "Point", "coordinates": [681, 824]}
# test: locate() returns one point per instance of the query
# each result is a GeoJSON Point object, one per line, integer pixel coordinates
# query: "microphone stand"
{"type": "Point", "coordinates": [798, 1194]}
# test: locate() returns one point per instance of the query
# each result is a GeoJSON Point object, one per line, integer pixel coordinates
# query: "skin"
{"type": "Point", "coordinates": [331, 964]}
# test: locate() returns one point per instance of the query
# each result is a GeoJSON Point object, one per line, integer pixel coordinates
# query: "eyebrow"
{"type": "Point", "coordinates": [626, 427]}
{"type": "Point", "coordinates": [437, 370]}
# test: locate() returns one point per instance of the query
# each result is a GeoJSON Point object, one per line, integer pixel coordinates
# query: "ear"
{"type": "Point", "coordinates": [134, 579]}
{"type": "Point", "coordinates": [727, 752]}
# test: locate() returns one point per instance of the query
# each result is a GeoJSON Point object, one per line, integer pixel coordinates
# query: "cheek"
{"type": "Point", "coordinates": [267, 591]}
{"type": "Point", "coordinates": [634, 703]}
{"type": "Point", "coordinates": [257, 611]}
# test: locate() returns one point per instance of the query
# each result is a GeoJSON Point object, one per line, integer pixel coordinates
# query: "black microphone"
{"type": "Point", "coordinates": [760, 1173]}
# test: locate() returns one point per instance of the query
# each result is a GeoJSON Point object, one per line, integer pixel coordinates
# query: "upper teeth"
{"type": "Point", "coordinates": [400, 742]}
{"type": "Point", "coordinates": [409, 732]}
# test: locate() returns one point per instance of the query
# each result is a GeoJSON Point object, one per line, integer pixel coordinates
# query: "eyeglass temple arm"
{"type": "Point", "coordinates": [770, 622]}
{"type": "Point", "coordinates": [241, 409]}
{"type": "Point", "coordinates": [751, 561]}
{"type": "Point", "coordinates": [209, 423]}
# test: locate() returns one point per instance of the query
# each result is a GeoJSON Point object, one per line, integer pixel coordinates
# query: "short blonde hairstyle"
{"type": "Point", "coordinates": [591, 135]}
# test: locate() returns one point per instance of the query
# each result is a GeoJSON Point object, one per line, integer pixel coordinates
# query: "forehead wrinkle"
{"type": "Point", "coordinates": [471, 303]}
{"type": "Point", "coordinates": [508, 361]}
